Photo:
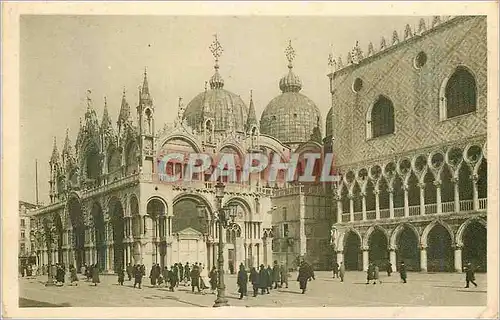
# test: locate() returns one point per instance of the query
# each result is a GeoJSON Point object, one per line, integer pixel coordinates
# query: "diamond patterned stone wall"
{"type": "Point", "coordinates": [414, 92]}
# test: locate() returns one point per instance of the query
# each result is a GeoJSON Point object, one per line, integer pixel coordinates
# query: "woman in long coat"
{"type": "Point", "coordinates": [95, 275]}
{"type": "Point", "coordinates": [242, 281]}
{"type": "Point", "coordinates": [138, 276]}
{"type": "Point", "coordinates": [214, 278]}
{"type": "Point", "coordinates": [402, 271]}
{"type": "Point", "coordinates": [269, 277]}
{"type": "Point", "coordinates": [254, 279]}
{"type": "Point", "coordinates": [305, 274]}
{"type": "Point", "coordinates": [73, 275]}
{"type": "Point", "coordinates": [263, 279]}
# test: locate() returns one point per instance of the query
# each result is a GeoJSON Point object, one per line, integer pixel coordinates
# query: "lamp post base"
{"type": "Point", "coordinates": [221, 302]}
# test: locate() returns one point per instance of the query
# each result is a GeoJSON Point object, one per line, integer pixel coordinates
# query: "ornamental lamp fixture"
{"type": "Point", "coordinates": [219, 190]}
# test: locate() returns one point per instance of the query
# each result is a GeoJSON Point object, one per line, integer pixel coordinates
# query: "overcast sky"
{"type": "Point", "coordinates": [62, 57]}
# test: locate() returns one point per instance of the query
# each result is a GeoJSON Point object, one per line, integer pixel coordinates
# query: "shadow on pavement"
{"type": "Point", "coordinates": [28, 303]}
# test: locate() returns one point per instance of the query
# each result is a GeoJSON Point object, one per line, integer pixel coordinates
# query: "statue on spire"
{"type": "Point", "coordinates": [331, 61]}
{"type": "Point", "coordinates": [357, 54]}
{"type": "Point", "coordinates": [290, 54]}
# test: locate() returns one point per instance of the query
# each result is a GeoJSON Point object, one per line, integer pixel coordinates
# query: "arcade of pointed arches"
{"type": "Point", "coordinates": [437, 247]}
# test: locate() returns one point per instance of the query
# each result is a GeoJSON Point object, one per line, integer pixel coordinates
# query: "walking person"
{"type": "Point", "coordinates": [95, 275]}
{"type": "Point", "coordinates": [180, 270]}
{"type": "Point", "coordinates": [263, 280]}
{"type": "Point", "coordinates": [73, 275]}
{"type": "Point", "coordinates": [242, 281]}
{"type": "Point", "coordinates": [341, 271]}
{"type": "Point", "coordinates": [137, 276]}
{"type": "Point", "coordinates": [402, 271]}
{"type": "Point", "coordinates": [305, 274]}
{"type": "Point", "coordinates": [195, 278]}
{"type": "Point", "coordinates": [335, 270]}
{"type": "Point", "coordinates": [376, 274]}
{"type": "Point", "coordinates": [369, 273]}
{"type": "Point", "coordinates": [469, 275]}
{"type": "Point", "coordinates": [214, 278]}
{"type": "Point", "coordinates": [283, 276]}
{"type": "Point", "coordinates": [121, 275]}
{"type": "Point", "coordinates": [276, 275]}
{"type": "Point", "coordinates": [173, 277]}
{"type": "Point", "coordinates": [204, 280]}
{"type": "Point", "coordinates": [187, 273]}
{"type": "Point", "coordinates": [130, 271]}
{"type": "Point", "coordinates": [269, 277]}
{"type": "Point", "coordinates": [254, 279]}
{"type": "Point", "coordinates": [389, 268]}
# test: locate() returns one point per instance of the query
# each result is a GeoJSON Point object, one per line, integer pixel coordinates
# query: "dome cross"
{"type": "Point", "coordinates": [216, 49]}
{"type": "Point", "coordinates": [290, 54]}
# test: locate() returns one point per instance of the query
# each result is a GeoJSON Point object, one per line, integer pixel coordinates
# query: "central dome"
{"type": "Point", "coordinates": [291, 116]}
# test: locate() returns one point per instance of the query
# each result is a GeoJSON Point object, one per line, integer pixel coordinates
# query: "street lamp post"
{"type": "Point", "coordinates": [225, 218]}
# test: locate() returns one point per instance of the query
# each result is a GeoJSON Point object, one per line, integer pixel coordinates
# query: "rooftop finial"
{"type": "Point", "coordinates": [206, 82]}
{"type": "Point", "coordinates": [105, 101]}
{"type": "Point", "coordinates": [290, 54]}
{"type": "Point", "coordinates": [251, 94]}
{"type": "Point", "coordinates": [145, 71]}
{"type": "Point", "coordinates": [216, 49]}
{"type": "Point", "coordinates": [331, 60]}
{"type": "Point", "coordinates": [124, 91]}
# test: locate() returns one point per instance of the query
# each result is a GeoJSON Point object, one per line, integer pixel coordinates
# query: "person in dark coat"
{"type": "Point", "coordinates": [402, 271]}
{"type": "Point", "coordinates": [73, 275]}
{"type": "Point", "coordinates": [138, 276]}
{"type": "Point", "coordinates": [269, 277]}
{"type": "Point", "coordinates": [88, 272]}
{"type": "Point", "coordinates": [389, 268]}
{"type": "Point", "coordinates": [283, 276]}
{"type": "Point", "coordinates": [195, 278]}
{"type": "Point", "coordinates": [276, 275]}
{"type": "Point", "coordinates": [214, 278]}
{"type": "Point", "coordinates": [166, 276]}
{"type": "Point", "coordinates": [263, 279]}
{"type": "Point", "coordinates": [469, 275]}
{"type": "Point", "coordinates": [173, 278]}
{"type": "Point", "coordinates": [180, 270]}
{"type": "Point", "coordinates": [152, 275]}
{"type": "Point", "coordinates": [369, 273]}
{"type": "Point", "coordinates": [305, 274]}
{"type": "Point", "coordinates": [335, 270]}
{"type": "Point", "coordinates": [187, 273]}
{"type": "Point", "coordinates": [121, 275]}
{"type": "Point", "coordinates": [242, 281]}
{"type": "Point", "coordinates": [95, 275]}
{"type": "Point", "coordinates": [254, 279]}
{"type": "Point", "coordinates": [376, 274]}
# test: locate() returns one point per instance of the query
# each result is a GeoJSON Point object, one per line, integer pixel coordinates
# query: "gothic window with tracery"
{"type": "Point", "coordinates": [460, 93]}
{"type": "Point", "coordinates": [381, 120]}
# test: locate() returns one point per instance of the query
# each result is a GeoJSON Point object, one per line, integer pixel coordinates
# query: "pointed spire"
{"type": "Point", "coordinates": [408, 32]}
{"type": "Point", "coordinates": [106, 120]}
{"type": "Point", "coordinates": [349, 58]}
{"type": "Point", "coordinates": [357, 53]}
{"type": "Point", "coordinates": [124, 110]}
{"type": "Point", "coordinates": [216, 81]}
{"type": "Point", "coordinates": [383, 44]}
{"type": "Point", "coordinates": [67, 144]}
{"type": "Point", "coordinates": [55, 153]}
{"type": "Point", "coordinates": [395, 37]}
{"type": "Point", "coordinates": [340, 64]}
{"type": "Point", "coordinates": [436, 20]}
{"type": "Point", "coordinates": [145, 86]}
{"type": "Point", "coordinates": [371, 50]}
{"type": "Point", "coordinates": [331, 61]}
{"type": "Point", "coordinates": [421, 26]}
{"type": "Point", "coordinates": [252, 118]}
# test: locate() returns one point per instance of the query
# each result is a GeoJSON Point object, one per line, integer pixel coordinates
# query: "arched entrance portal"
{"type": "Point", "coordinates": [378, 248]}
{"type": "Point", "coordinates": [439, 250]}
{"type": "Point", "coordinates": [352, 252]}
{"type": "Point", "coordinates": [408, 249]}
{"type": "Point", "coordinates": [117, 224]}
{"type": "Point", "coordinates": [99, 235]}
{"type": "Point", "coordinates": [78, 231]}
{"type": "Point", "coordinates": [188, 230]}
{"type": "Point", "coordinates": [156, 211]}
{"type": "Point", "coordinates": [474, 249]}
{"type": "Point", "coordinates": [59, 233]}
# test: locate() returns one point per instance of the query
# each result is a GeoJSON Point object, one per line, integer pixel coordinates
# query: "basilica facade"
{"type": "Point", "coordinates": [407, 128]}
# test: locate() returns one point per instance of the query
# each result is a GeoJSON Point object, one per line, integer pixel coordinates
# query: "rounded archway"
{"type": "Point", "coordinates": [408, 249]}
{"type": "Point", "coordinates": [156, 210]}
{"type": "Point", "coordinates": [475, 246]}
{"type": "Point", "coordinates": [378, 244]}
{"type": "Point", "coordinates": [439, 250]}
{"type": "Point", "coordinates": [117, 220]}
{"type": "Point", "coordinates": [99, 235]}
{"type": "Point", "coordinates": [352, 251]}
{"type": "Point", "coordinates": [78, 231]}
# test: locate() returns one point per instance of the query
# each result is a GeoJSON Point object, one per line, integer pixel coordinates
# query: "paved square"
{"type": "Point", "coordinates": [443, 289]}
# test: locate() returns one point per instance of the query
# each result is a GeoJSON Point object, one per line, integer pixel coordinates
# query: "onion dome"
{"type": "Point", "coordinates": [291, 116]}
{"type": "Point", "coordinates": [226, 110]}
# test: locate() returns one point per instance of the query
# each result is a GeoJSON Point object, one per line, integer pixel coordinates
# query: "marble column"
{"type": "Point", "coordinates": [363, 205]}
{"type": "Point", "coordinates": [475, 197]}
{"type": "Point", "coordinates": [391, 203]}
{"type": "Point", "coordinates": [392, 257]}
{"type": "Point", "coordinates": [458, 258]}
{"type": "Point", "coordinates": [439, 208]}
{"type": "Point", "coordinates": [351, 208]}
{"type": "Point", "coordinates": [339, 210]}
{"type": "Point", "coordinates": [406, 208]}
{"type": "Point", "coordinates": [340, 257]}
{"type": "Point", "coordinates": [456, 197]}
{"type": "Point", "coordinates": [423, 258]}
{"type": "Point", "coordinates": [377, 204]}
{"type": "Point", "coordinates": [422, 198]}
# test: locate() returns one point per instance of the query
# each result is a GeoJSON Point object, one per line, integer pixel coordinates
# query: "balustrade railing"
{"type": "Point", "coordinates": [371, 215]}
{"type": "Point", "coordinates": [345, 217]}
{"type": "Point", "coordinates": [431, 208]}
{"type": "Point", "coordinates": [466, 205]}
{"type": "Point", "coordinates": [358, 216]}
{"type": "Point", "coordinates": [399, 212]}
{"type": "Point", "coordinates": [414, 210]}
{"type": "Point", "coordinates": [385, 213]}
{"type": "Point", "coordinates": [483, 204]}
{"type": "Point", "coordinates": [447, 207]}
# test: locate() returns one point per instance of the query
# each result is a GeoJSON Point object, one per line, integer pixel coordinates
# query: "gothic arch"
{"type": "Point", "coordinates": [369, 232]}
{"type": "Point", "coordinates": [428, 228]}
{"type": "Point", "coordinates": [341, 242]}
{"type": "Point", "coordinates": [443, 103]}
{"type": "Point", "coordinates": [463, 227]}
{"type": "Point", "coordinates": [379, 102]}
{"type": "Point", "coordinates": [394, 236]}
{"type": "Point", "coordinates": [159, 199]}
{"type": "Point", "coordinates": [195, 198]}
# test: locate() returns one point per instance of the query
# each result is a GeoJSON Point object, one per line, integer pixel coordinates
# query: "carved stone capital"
{"type": "Point", "coordinates": [365, 248]}
{"type": "Point", "coordinates": [437, 183]}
